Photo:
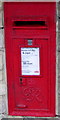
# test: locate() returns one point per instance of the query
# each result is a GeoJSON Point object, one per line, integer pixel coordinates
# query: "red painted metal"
{"type": "Point", "coordinates": [31, 95]}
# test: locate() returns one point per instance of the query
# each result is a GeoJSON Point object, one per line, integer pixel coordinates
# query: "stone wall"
{"type": "Point", "coordinates": [3, 82]}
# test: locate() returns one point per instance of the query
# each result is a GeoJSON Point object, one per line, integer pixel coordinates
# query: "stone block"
{"type": "Point", "coordinates": [58, 40]}
{"type": "Point", "coordinates": [1, 38]}
{"type": "Point", "coordinates": [59, 88]}
{"type": "Point", "coordinates": [58, 104]}
{"type": "Point", "coordinates": [4, 74]}
{"type": "Point", "coordinates": [40, 118]}
{"type": "Point", "coordinates": [58, 6]}
{"type": "Point", "coordinates": [58, 55]}
{"type": "Point", "coordinates": [59, 25]}
{"type": "Point", "coordinates": [0, 75]}
{"type": "Point", "coordinates": [1, 14]}
{"type": "Point", "coordinates": [2, 89]}
{"type": "Point", "coordinates": [1, 64]}
{"type": "Point", "coordinates": [2, 104]}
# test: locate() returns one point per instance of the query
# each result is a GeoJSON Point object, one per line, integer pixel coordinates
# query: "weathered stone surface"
{"type": "Point", "coordinates": [0, 75]}
{"type": "Point", "coordinates": [58, 60]}
{"type": "Point", "coordinates": [59, 104]}
{"type": "Point", "coordinates": [58, 41]}
{"type": "Point", "coordinates": [1, 38]}
{"type": "Point", "coordinates": [40, 118]}
{"type": "Point", "coordinates": [30, 118]}
{"type": "Point", "coordinates": [2, 89]}
{"type": "Point", "coordinates": [1, 64]}
{"type": "Point", "coordinates": [2, 104]}
{"type": "Point", "coordinates": [59, 72]}
{"type": "Point", "coordinates": [59, 25]}
{"type": "Point", "coordinates": [1, 14]}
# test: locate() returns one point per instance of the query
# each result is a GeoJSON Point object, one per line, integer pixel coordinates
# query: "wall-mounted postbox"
{"type": "Point", "coordinates": [30, 40]}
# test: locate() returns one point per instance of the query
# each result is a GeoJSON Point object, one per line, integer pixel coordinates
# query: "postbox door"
{"type": "Point", "coordinates": [31, 75]}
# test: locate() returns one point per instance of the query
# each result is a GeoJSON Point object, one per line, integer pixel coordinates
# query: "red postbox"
{"type": "Point", "coordinates": [30, 40]}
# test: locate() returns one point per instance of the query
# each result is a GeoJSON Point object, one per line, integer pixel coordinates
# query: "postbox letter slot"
{"type": "Point", "coordinates": [30, 24]}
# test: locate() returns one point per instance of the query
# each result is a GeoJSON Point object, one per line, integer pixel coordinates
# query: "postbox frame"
{"type": "Point", "coordinates": [10, 92]}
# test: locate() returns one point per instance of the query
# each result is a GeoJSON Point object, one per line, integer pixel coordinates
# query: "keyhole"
{"type": "Point", "coordinates": [20, 80]}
